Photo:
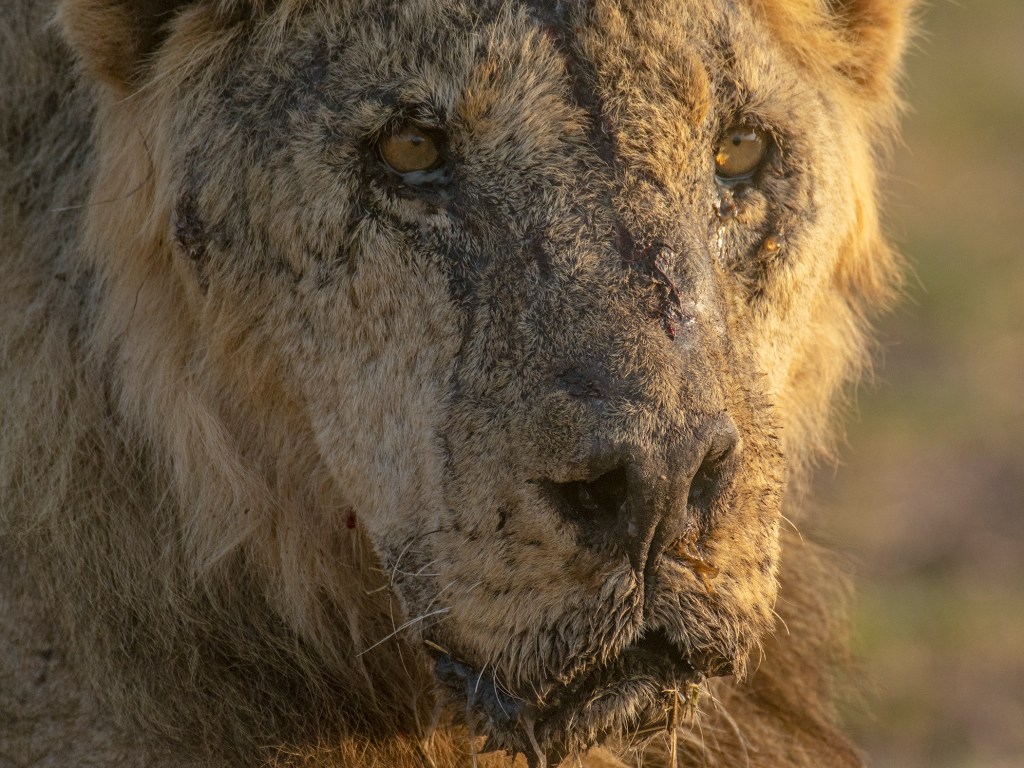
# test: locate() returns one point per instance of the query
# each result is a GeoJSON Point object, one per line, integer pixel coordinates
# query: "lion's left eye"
{"type": "Point", "coordinates": [740, 152]}
{"type": "Point", "coordinates": [411, 149]}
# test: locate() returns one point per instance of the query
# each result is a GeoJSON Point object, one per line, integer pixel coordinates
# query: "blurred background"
{"type": "Point", "coordinates": [929, 498]}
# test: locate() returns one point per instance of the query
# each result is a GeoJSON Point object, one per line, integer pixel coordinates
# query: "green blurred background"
{"type": "Point", "coordinates": [929, 498]}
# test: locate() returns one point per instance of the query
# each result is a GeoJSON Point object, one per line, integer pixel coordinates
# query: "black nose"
{"type": "Point", "coordinates": [645, 501]}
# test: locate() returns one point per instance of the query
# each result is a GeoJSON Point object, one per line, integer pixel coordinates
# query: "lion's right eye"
{"type": "Point", "coordinates": [411, 149]}
{"type": "Point", "coordinates": [740, 152]}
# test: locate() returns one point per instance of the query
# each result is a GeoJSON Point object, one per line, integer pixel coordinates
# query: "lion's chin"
{"type": "Point", "coordinates": [640, 693]}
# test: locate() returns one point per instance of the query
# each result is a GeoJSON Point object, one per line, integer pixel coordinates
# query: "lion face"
{"type": "Point", "coordinates": [532, 286]}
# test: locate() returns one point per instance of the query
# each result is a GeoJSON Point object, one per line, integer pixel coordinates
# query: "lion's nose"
{"type": "Point", "coordinates": [640, 502]}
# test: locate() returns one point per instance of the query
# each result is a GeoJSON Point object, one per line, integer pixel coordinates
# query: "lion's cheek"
{"type": "Point", "coordinates": [375, 361]}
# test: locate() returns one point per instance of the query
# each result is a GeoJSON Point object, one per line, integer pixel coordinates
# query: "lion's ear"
{"type": "Point", "coordinates": [115, 39]}
{"type": "Point", "coordinates": [863, 40]}
{"type": "Point", "coordinates": [875, 33]}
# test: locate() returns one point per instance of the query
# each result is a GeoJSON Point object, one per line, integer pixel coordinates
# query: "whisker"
{"type": "Point", "coordinates": [793, 526]}
{"type": "Point", "coordinates": [430, 746]}
{"type": "Point", "coordinates": [528, 727]}
{"type": "Point", "coordinates": [733, 725]}
{"type": "Point", "coordinates": [405, 625]}
{"type": "Point", "coordinates": [673, 737]}
{"type": "Point", "coordinates": [470, 720]}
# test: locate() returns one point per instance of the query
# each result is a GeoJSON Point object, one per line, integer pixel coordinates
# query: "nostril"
{"type": "Point", "coordinates": [598, 500]}
{"type": "Point", "coordinates": [706, 481]}
{"type": "Point", "coordinates": [702, 487]}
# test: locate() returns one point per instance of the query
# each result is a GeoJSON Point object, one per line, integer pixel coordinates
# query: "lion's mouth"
{"type": "Point", "coordinates": [640, 692]}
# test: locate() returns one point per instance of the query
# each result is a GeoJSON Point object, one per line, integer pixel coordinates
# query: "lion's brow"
{"type": "Point", "coordinates": [556, 19]}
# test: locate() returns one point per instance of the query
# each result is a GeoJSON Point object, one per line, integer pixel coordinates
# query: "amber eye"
{"type": "Point", "coordinates": [740, 152]}
{"type": "Point", "coordinates": [410, 149]}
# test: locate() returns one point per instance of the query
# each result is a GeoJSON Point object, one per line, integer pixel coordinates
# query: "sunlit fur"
{"type": "Point", "coordinates": [244, 424]}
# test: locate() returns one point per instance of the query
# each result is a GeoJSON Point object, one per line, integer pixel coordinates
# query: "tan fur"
{"type": "Point", "coordinates": [273, 427]}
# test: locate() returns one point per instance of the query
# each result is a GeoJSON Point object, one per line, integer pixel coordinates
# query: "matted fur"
{"type": "Point", "coordinates": [272, 425]}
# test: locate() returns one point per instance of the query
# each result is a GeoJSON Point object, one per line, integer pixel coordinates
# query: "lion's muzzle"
{"type": "Point", "coordinates": [642, 502]}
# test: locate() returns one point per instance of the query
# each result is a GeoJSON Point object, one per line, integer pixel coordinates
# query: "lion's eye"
{"type": "Point", "coordinates": [410, 149]}
{"type": "Point", "coordinates": [740, 152]}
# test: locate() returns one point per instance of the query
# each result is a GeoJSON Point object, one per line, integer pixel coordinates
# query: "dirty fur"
{"type": "Point", "coordinates": [282, 430]}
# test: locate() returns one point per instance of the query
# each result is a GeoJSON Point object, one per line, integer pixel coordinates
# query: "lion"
{"type": "Point", "coordinates": [431, 382]}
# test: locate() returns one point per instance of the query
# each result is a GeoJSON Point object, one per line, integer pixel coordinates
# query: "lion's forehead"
{"type": "Point", "coordinates": [487, 63]}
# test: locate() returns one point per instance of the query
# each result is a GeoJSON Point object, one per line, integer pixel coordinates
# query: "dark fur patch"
{"type": "Point", "coordinates": [557, 20]}
{"type": "Point", "coordinates": [190, 232]}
